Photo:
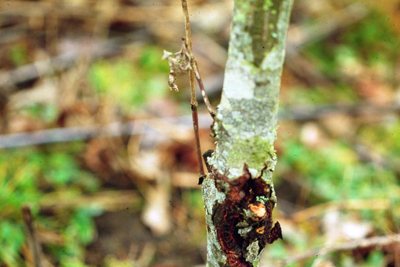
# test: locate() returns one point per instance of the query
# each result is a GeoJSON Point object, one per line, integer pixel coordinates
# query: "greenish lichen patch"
{"type": "Point", "coordinates": [255, 117]}
{"type": "Point", "coordinates": [211, 196]}
{"type": "Point", "coordinates": [254, 152]}
{"type": "Point", "coordinates": [241, 11]}
{"type": "Point", "coordinates": [243, 232]}
{"type": "Point", "coordinates": [262, 199]}
{"type": "Point", "coordinates": [253, 253]}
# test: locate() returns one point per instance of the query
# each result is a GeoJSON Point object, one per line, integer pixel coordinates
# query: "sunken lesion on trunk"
{"type": "Point", "coordinates": [244, 217]}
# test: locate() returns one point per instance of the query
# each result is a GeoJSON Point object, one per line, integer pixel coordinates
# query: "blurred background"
{"type": "Point", "coordinates": [94, 142]}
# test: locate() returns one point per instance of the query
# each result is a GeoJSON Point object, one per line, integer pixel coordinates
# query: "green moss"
{"type": "Point", "coordinates": [254, 152]}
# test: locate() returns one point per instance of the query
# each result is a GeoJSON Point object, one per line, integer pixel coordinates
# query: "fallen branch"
{"type": "Point", "coordinates": [138, 127]}
{"type": "Point", "coordinates": [64, 61]}
{"type": "Point", "coordinates": [300, 113]}
{"type": "Point", "coordinates": [309, 113]}
{"type": "Point", "coordinates": [126, 14]}
{"type": "Point", "coordinates": [351, 204]}
{"type": "Point", "coordinates": [362, 243]}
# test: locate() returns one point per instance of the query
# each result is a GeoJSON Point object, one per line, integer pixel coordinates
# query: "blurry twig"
{"type": "Point", "coordinates": [362, 243]}
{"type": "Point", "coordinates": [127, 14]}
{"type": "Point", "coordinates": [303, 35]}
{"type": "Point", "coordinates": [32, 238]}
{"type": "Point", "coordinates": [62, 135]}
{"type": "Point", "coordinates": [153, 134]}
{"type": "Point", "coordinates": [62, 62]}
{"type": "Point", "coordinates": [309, 113]}
{"type": "Point", "coordinates": [300, 36]}
{"type": "Point", "coordinates": [362, 204]}
{"type": "Point", "coordinates": [300, 113]}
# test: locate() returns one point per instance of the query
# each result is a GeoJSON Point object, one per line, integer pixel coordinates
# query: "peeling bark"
{"type": "Point", "coordinates": [238, 192]}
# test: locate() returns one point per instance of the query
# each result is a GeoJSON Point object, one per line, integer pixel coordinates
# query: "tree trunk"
{"type": "Point", "coordinates": [238, 192]}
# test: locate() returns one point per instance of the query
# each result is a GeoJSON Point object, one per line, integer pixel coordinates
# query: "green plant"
{"type": "Point", "coordinates": [131, 84]}
{"type": "Point", "coordinates": [27, 177]}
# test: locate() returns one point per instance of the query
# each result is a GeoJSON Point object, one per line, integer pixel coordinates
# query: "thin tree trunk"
{"type": "Point", "coordinates": [238, 192]}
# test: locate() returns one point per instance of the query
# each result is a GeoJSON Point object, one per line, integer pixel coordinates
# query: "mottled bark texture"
{"type": "Point", "coordinates": [238, 192]}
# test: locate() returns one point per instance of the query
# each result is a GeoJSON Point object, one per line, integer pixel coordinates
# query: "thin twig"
{"type": "Point", "coordinates": [195, 119]}
{"type": "Point", "coordinates": [362, 243]}
{"type": "Point", "coordinates": [194, 72]}
{"type": "Point", "coordinates": [32, 239]}
{"type": "Point", "coordinates": [201, 86]}
{"type": "Point", "coordinates": [190, 47]}
{"type": "Point", "coordinates": [193, 101]}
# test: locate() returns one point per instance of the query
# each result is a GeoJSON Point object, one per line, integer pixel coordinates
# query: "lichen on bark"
{"type": "Point", "coordinates": [245, 130]}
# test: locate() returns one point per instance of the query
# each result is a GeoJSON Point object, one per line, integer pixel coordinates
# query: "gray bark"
{"type": "Point", "coordinates": [238, 193]}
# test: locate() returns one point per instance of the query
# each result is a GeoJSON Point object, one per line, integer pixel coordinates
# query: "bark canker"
{"type": "Point", "coordinates": [244, 217]}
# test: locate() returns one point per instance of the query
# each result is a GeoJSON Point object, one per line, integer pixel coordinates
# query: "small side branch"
{"type": "Point", "coordinates": [193, 101]}
{"type": "Point", "coordinates": [195, 119]}
{"type": "Point", "coordinates": [201, 86]}
{"type": "Point", "coordinates": [193, 63]}
{"type": "Point", "coordinates": [184, 62]}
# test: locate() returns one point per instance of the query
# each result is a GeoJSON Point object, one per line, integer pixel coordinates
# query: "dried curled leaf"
{"type": "Point", "coordinates": [179, 63]}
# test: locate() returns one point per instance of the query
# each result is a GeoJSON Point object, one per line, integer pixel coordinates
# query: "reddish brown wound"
{"type": "Point", "coordinates": [241, 210]}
